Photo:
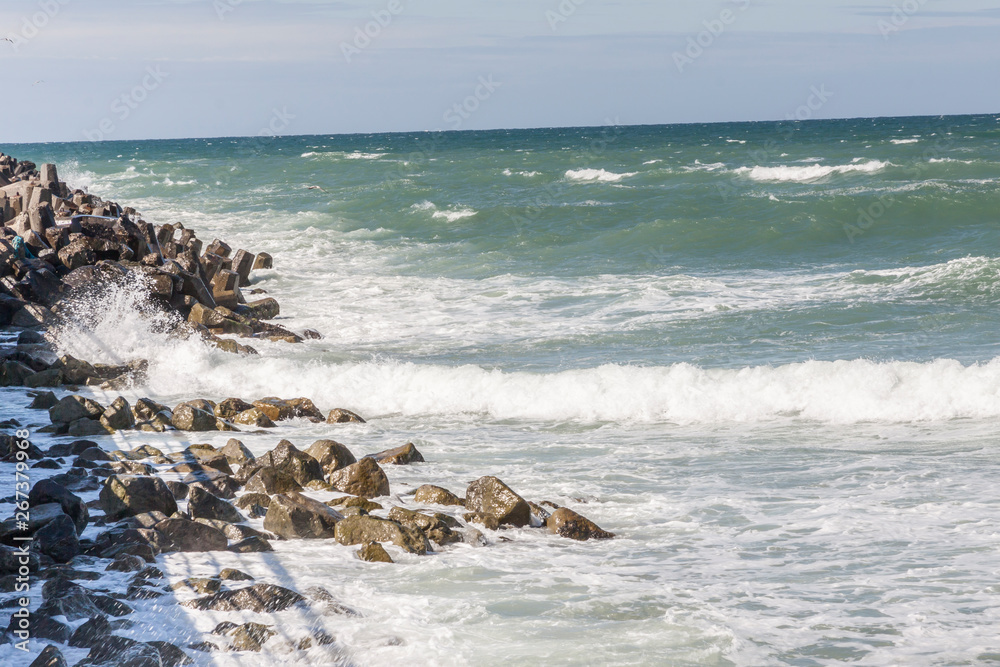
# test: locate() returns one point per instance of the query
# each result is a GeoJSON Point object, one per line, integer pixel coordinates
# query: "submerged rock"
{"type": "Point", "coordinates": [373, 552]}
{"type": "Point", "coordinates": [342, 416]}
{"type": "Point", "coordinates": [567, 523]}
{"type": "Point", "coordinates": [361, 529]}
{"type": "Point", "coordinates": [399, 456]}
{"type": "Point", "coordinates": [435, 495]}
{"type": "Point", "coordinates": [261, 598]}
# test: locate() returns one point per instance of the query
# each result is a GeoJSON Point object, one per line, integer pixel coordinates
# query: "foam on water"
{"type": "Point", "coordinates": [811, 173]}
{"type": "Point", "coordinates": [596, 175]}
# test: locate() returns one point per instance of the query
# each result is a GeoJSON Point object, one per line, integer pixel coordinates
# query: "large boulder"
{"type": "Point", "coordinates": [260, 598]}
{"type": "Point", "coordinates": [58, 539]}
{"type": "Point", "coordinates": [293, 515]}
{"type": "Point", "coordinates": [46, 491]}
{"type": "Point", "coordinates": [188, 418]}
{"type": "Point", "coordinates": [435, 495]}
{"type": "Point", "coordinates": [292, 461]}
{"type": "Point", "coordinates": [399, 456]}
{"type": "Point", "coordinates": [49, 657]}
{"type": "Point", "coordinates": [74, 408]}
{"type": "Point", "coordinates": [332, 455]}
{"type": "Point", "coordinates": [236, 452]}
{"type": "Point", "coordinates": [567, 523]}
{"type": "Point", "coordinates": [187, 535]}
{"type": "Point", "coordinates": [271, 481]}
{"type": "Point", "coordinates": [77, 254]}
{"type": "Point", "coordinates": [276, 409]}
{"type": "Point", "coordinates": [128, 495]}
{"type": "Point", "coordinates": [231, 407]}
{"type": "Point", "coordinates": [204, 505]}
{"type": "Point", "coordinates": [359, 529]}
{"type": "Point", "coordinates": [364, 478]}
{"type": "Point", "coordinates": [488, 495]}
{"type": "Point", "coordinates": [253, 417]}
{"type": "Point", "coordinates": [373, 552]}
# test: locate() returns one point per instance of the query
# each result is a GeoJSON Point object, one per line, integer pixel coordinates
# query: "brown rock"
{"type": "Point", "coordinates": [253, 417]}
{"type": "Point", "coordinates": [488, 495]}
{"type": "Point", "coordinates": [231, 407]}
{"type": "Point", "coordinates": [293, 515]}
{"type": "Point", "coordinates": [187, 535]}
{"type": "Point", "coordinates": [435, 495]}
{"type": "Point", "coordinates": [567, 523]}
{"type": "Point", "coordinates": [128, 495]}
{"type": "Point", "coordinates": [342, 416]}
{"type": "Point", "coordinates": [332, 455]}
{"type": "Point", "coordinates": [399, 456]}
{"type": "Point", "coordinates": [373, 552]}
{"type": "Point", "coordinates": [361, 529]}
{"type": "Point", "coordinates": [260, 598]}
{"type": "Point", "coordinates": [486, 520]}
{"type": "Point", "coordinates": [270, 481]}
{"type": "Point", "coordinates": [364, 478]}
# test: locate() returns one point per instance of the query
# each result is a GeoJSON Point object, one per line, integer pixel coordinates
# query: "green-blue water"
{"type": "Point", "coordinates": [763, 354]}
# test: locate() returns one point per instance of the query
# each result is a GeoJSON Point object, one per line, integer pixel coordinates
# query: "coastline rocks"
{"type": "Point", "coordinates": [276, 409]}
{"type": "Point", "coordinates": [399, 456]}
{"type": "Point", "coordinates": [360, 529]}
{"type": "Point", "coordinates": [435, 495]}
{"type": "Point", "coordinates": [49, 657]}
{"type": "Point", "coordinates": [204, 505]}
{"type": "Point", "coordinates": [331, 455]}
{"type": "Point", "coordinates": [567, 523]}
{"type": "Point", "coordinates": [253, 417]}
{"type": "Point", "coordinates": [58, 539]}
{"type": "Point", "coordinates": [342, 416]}
{"type": "Point", "coordinates": [287, 458]}
{"type": "Point", "coordinates": [434, 527]}
{"type": "Point", "coordinates": [128, 495]}
{"type": "Point", "coordinates": [118, 415]}
{"type": "Point", "coordinates": [293, 515]}
{"type": "Point", "coordinates": [73, 408]}
{"type": "Point", "coordinates": [488, 495]}
{"type": "Point", "coordinates": [252, 544]}
{"type": "Point", "coordinates": [260, 598]}
{"type": "Point", "coordinates": [236, 452]}
{"type": "Point", "coordinates": [187, 535]}
{"type": "Point", "coordinates": [251, 636]}
{"type": "Point", "coordinates": [364, 478]}
{"type": "Point", "coordinates": [231, 407]}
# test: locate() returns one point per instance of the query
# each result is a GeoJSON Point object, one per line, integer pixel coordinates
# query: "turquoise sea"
{"type": "Point", "coordinates": [765, 355]}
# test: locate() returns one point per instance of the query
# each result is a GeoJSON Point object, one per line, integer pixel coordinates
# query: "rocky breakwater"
{"type": "Point", "coordinates": [139, 506]}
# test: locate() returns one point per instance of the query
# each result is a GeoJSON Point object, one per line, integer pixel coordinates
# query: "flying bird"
{"type": "Point", "coordinates": [6, 39]}
{"type": "Point", "coordinates": [37, 82]}
{"type": "Point", "coordinates": [315, 187]}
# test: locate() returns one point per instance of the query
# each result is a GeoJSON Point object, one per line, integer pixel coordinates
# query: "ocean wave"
{"type": "Point", "coordinates": [596, 175]}
{"type": "Point", "coordinates": [526, 174]}
{"type": "Point", "coordinates": [356, 155]}
{"type": "Point", "coordinates": [786, 174]}
{"type": "Point", "coordinates": [451, 215]}
{"type": "Point", "coordinates": [905, 141]}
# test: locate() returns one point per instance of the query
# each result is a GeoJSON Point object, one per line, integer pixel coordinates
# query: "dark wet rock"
{"type": "Point", "coordinates": [91, 633]}
{"type": "Point", "coordinates": [237, 532]}
{"type": "Point", "coordinates": [49, 657]}
{"type": "Point", "coordinates": [58, 539]}
{"type": "Point", "coordinates": [47, 491]}
{"type": "Point", "coordinates": [567, 523]}
{"type": "Point", "coordinates": [488, 495]}
{"type": "Point", "coordinates": [261, 598]}
{"type": "Point", "coordinates": [48, 378]}
{"type": "Point", "coordinates": [204, 647]}
{"type": "Point", "coordinates": [126, 563]}
{"type": "Point", "coordinates": [364, 478]}
{"type": "Point", "coordinates": [187, 535]}
{"type": "Point", "coordinates": [229, 574]}
{"type": "Point", "coordinates": [216, 482]}
{"type": "Point", "coordinates": [95, 454]}
{"type": "Point", "coordinates": [399, 456]}
{"type": "Point", "coordinates": [290, 460]}
{"type": "Point", "coordinates": [204, 505]}
{"type": "Point", "coordinates": [64, 598]}
{"type": "Point", "coordinates": [342, 416]}
{"type": "Point", "coordinates": [178, 489]}
{"type": "Point", "coordinates": [252, 544]}
{"type": "Point", "coordinates": [123, 652]}
{"type": "Point", "coordinates": [331, 455]}
{"type": "Point", "coordinates": [250, 499]}
{"type": "Point", "coordinates": [73, 408]}
{"type": "Point", "coordinates": [43, 401]}
{"type": "Point", "coordinates": [14, 373]}
{"type": "Point", "coordinates": [373, 552]}
{"type": "Point", "coordinates": [293, 515]}
{"type": "Point", "coordinates": [362, 529]}
{"type": "Point", "coordinates": [128, 495]}
{"type": "Point", "coordinates": [435, 495]}
{"type": "Point", "coordinates": [271, 481]}
{"type": "Point", "coordinates": [436, 529]}
{"type": "Point", "coordinates": [110, 605]}
{"type": "Point", "coordinates": [10, 560]}
{"type": "Point", "coordinates": [251, 636]}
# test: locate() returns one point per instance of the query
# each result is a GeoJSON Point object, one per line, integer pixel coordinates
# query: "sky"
{"type": "Point", "coordinates": [79, 70]}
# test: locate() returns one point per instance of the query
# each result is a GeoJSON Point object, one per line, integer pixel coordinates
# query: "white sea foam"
{"type": "Point", "coordinates": [596, 175]}
{"type": "Point", "coordinates": [356, 155]}
{"type": "Point", "coordinates": [526, 174]}
{"type": "Point", "coordinates": [810, 173]}
{"type": "Point", "coordinates": [905, 141]}
{"type": "Point", "coordinates": [450, 215]}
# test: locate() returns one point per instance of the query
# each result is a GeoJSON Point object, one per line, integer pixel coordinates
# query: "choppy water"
{"type": "Point", "coordinates": [762, 354]}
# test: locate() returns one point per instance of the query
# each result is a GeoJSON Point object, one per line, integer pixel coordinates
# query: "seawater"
{"type": "Point", "coordinates": [763, 354]}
